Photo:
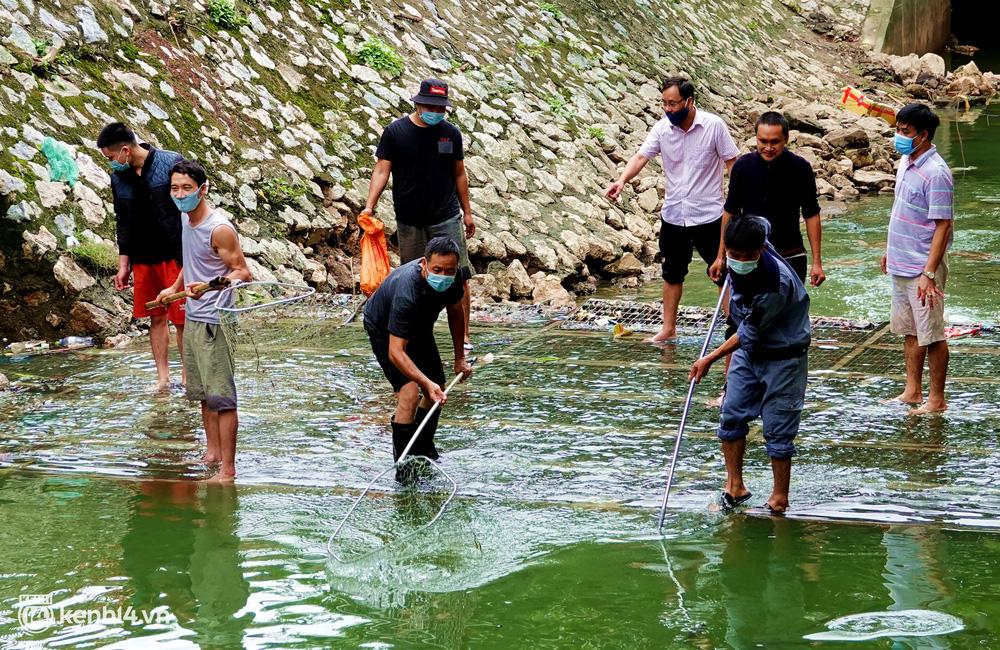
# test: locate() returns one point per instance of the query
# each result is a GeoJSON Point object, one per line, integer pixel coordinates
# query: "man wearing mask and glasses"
{"type": "Point", "coordinates": [694, 145]}
{"type": "Point", "coordinates": [399, 319]}
{"type": "Point", "coordinates": [423, 153]}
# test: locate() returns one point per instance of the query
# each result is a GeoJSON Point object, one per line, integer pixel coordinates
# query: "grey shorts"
{"type": "Point", "coordinates": [771, 390]}
{"type": "Point", "coordinates": [208, 361]}
{"type": "Point", "coordinates": [413, 240]}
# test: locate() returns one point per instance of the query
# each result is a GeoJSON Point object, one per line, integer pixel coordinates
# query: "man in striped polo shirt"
{"type": "Point", "coordinates": [920, 233]}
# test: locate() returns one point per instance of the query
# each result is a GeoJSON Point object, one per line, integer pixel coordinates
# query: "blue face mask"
{"type": "Point", "coordinates": [118, 166]}
{"type": "Point", "coordinates": [904, 145]}
{"type": "Point", "coordinates": [431, 118]}
{"type": "Point", "coordinates": [440, 282]}
{"type": "Point", "coordinates": [741, 268]}
{"type": "Point", "coordinates": [188, 203]}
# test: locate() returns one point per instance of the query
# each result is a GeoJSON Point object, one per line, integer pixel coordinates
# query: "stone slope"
{"type": "Point", "coordinates": [285, 107]}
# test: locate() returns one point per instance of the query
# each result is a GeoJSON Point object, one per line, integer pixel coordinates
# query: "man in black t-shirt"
{"type": "Point", "coordinates": [780, 186]}
{"type": "Point", "coordinates": [399, 319]}
{"type": "Point", "coordinates": [425, 157]}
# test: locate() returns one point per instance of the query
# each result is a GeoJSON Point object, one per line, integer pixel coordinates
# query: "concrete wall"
{"type": "Point", "coordinates": [904, 26]}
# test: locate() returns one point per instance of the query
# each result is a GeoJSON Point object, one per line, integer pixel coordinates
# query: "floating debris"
{"type": "Point", "coordinates": [875, 625]}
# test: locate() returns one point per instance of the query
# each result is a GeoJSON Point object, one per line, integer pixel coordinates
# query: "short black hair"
{"type": "Point", "coordinates": [115, 133]}
{"type": "Point", "coordinates": [745, 233]}
{"type": "Point", "coordinates": [683, 84]}
{"type": "Point", "coordinates": [192, 169]}
{"type": "Point", "coordinates": [920, 117]}
{"type": "Point", "coordinates": [773, 118]}
{"type": "Point", "coordinates": [442, 246]}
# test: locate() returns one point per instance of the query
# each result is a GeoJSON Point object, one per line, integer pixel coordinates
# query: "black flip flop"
{"type": "Point", "coordinates": [729, 502]}
{"type": "Point", "coordinates": [772, 512]}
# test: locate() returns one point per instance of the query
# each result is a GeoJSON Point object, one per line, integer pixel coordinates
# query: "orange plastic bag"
{"type": "Point", "coordinates": [374, 254]}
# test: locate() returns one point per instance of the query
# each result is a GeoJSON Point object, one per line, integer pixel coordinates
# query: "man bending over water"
{"type": "Point", "coordinates": [767, 376]}
{"type": "Point", "coordinates": [399, 319]}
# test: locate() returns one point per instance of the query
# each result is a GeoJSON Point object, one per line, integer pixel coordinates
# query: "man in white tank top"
{"type": "Point", "coordinates": [211, 248]}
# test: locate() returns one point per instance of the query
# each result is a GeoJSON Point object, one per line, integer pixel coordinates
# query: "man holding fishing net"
{"type": "Point", "coordinates": [399, 319]}
{"type": "Point", "coordinates": [212, 258]}
{"type": "Point", "coordinates": [767, 376]}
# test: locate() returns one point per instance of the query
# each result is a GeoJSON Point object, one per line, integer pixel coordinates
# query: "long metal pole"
{"type": "Point", "coordinates": [687, 406]}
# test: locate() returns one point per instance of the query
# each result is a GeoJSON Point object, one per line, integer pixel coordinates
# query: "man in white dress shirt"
{"type": "Point", "coordinates": [693, 145]}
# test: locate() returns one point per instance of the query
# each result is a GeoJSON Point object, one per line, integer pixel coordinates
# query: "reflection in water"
{"type": "Point", "coordinates": [912, 575]}
{"type": "Point", "coordinates": [181, 550]}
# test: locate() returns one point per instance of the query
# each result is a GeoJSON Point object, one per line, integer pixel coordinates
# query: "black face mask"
{"type": "Point", "coordinates": [677, 117]}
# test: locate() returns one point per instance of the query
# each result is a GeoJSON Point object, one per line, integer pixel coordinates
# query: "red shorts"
{"type": "Point", "coordinates": [150, 280]}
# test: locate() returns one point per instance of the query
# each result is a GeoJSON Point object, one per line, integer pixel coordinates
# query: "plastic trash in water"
{"type": "Point", "coordinates": [76, 341]}
{"type": "Point", "coordinates": [62, 165]}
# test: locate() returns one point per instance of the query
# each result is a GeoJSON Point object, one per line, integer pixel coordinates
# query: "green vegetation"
{"type": "Point", "coordinates": [41, 47]}
{"type": "Point", "coordinates": [596, 132]}
{"type": "Point", "coordinates": [550, 9]}
{"type": "Point", "coordinates": [225, 14]}
{"type": "Point", "coordinates": [130, 50]}
{"type": "Point", "coordinates": [559, 106]}
{"type": "Point", "coordinates": [281, 191]}
{"type": "Point", "coordinates": [377, 54]}
{"type": "Point", "coordinates": [534, 49]}
{"type": "Point", "coordinates": [98, 256]}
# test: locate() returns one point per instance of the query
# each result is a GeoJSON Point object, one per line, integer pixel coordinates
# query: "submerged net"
{"type": "Point", "coordinates": [262, 320]}
{"type": "Point", "coordinates": [841, 347]}
{"type": "Point", "coordinates": [647, 317]}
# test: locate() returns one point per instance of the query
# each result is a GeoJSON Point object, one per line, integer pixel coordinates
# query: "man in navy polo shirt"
{"type": "Point", "coordinates": [430, 189]}
{"type": "Point", "coordinates": [399, 319]}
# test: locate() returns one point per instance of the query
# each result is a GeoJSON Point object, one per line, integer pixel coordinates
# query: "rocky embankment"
{"type": "Point", "coordinates": [284, 100]}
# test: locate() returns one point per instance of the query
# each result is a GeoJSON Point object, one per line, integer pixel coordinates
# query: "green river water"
{"type": "Point", "coordinates": [558, 451]}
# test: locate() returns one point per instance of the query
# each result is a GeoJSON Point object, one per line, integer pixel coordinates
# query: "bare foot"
{"type": "Point", "coordinates": [663, 336]}
{"type": "Point", "coordinates": [929, 408]}
{"type": "Point", "coordinates": [221, 477]}
{"type": "Point", "coordinates": [717, 402]}
{"type": "Point", "coordinates": [905, 398]}
{"type": "Point", "coordinates": [210, 459]}
{"type": "Point", "coordinates": [160, 387]}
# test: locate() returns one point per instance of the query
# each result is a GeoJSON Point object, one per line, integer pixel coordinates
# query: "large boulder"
{"type": "Point", "coordinates": [69, 274]}
{"type": "Point", "coordinates": [874, 179]}
{"type": "Point", "coordinates": [629, 264]}
{"type": "Point", "coordinates": [968, 81]}
{"type": "Point", "coordinates": [907, 68]}
{"type": "Point", "coordinates": [520, 283]}
{"type": "Point", "coordinates": [850, 137]}
{"type": "Point", "coordinates": [549, 291]}
{"type": "Point", "coordinates": [86, 318]}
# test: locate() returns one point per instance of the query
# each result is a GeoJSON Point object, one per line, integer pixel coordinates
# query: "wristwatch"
{"type": "Point", "coordinates": [928, 274]}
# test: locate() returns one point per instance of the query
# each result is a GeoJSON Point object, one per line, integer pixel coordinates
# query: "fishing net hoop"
{"type": "Point", "coordinates": [363, 557]}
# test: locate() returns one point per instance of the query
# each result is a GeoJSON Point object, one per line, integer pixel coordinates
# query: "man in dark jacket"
{"type": "Point", "coordinates": [767, 377]}
{"type": "Point", "coordinates": [149, 233]}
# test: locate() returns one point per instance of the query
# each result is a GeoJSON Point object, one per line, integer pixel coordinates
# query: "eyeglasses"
{"type": "Point", "coordinates": [673, 105]}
